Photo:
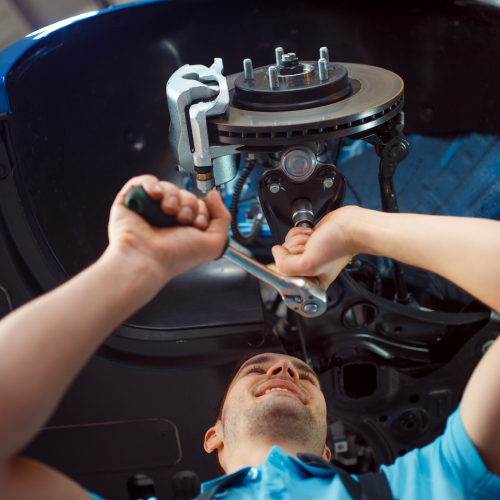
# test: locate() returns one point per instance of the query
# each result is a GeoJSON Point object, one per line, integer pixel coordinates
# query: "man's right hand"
{"type": "Point", "coordinates": [321, 253]}
{"type": "Point", "coordinates": [168, 252]}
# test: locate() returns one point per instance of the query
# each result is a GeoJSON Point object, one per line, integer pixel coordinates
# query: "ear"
{"type": "Point", "coordinates": [326, 454]}
{"type": "Point", "coordinates": [213, 438]}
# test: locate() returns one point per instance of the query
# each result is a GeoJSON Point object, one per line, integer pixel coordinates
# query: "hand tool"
{"type": "Point", "coordinates": [301, 295]}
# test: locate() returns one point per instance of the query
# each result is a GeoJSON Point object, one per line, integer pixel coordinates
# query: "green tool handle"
{"type": "Point", "coordinates": [150, 210]}
{"type": "Point", "coordinates": [141, 203]}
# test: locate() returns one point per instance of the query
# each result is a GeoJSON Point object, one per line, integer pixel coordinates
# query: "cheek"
{"type": "Point", "coordinates": [235, 399]}
{"type": "Point", "coordinates": [320, 402]}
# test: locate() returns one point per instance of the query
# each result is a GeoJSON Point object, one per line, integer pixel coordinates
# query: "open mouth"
{"type": "Point", "coordinates": [280, 389]}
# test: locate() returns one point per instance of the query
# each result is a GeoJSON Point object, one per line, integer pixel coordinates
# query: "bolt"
{"type": "Point", "coordinates": [323, 54]}
{"type": "Point", "coordinates": [303, 215]}
{"type": "Point", "coordinates": [279, 54]}
{"type": "Point", "coordinates": [273, 183]}
{"type": "Point", "coordinates": [397, 151]}
{"type": "Point", "coordinates": [273, 77]}
{"type": "Point", "coordinates": [327, 182]}
{"type": "Point", "coordinates": [323, 69]}
{"type": "Point", "coordinates": [310, 308]}
{"type": "Point", "coordinates": [248, 69]}
{"type": "Point", "coordinates": [289, 60]}
{"type": "Point", "coordinates": [274, 187]}
{"type": "Point", "coordinates": [341, 446]}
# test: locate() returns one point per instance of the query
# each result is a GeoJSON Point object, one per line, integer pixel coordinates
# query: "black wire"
{"type": "Point", "coordinates": [300, 330]}
{"type": "Point", "coordinates": [349, 185]}
{"type": "Point", "coordinates": [353, 191]}
{"type": "Point", "coordinates": [337, 151]}
{"type": "Point", "coordinates": [251, 197]}
{"type": "Point", "coordinates": [233, 210]}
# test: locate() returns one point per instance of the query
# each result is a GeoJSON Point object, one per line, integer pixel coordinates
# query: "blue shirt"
{"type": "Point", "coordinates": [447, 469]}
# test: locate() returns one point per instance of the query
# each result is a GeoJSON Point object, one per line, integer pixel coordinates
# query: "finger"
{"type": "Point", "coordinates": [298, 230]}
{"type": "Point", "coordinates": [218, 227]}
{"type": "Point", "coordinates": [170, 201]}
{"type": "Point", "coordinates": [298, 239]}
{"type": "Point", "coordinates": [293, 264]}
{"type": "Point", "coordinates": [297, 250]}
{"type": "Point", "coordinates": [188, 207]}
{"type": "Point", "coordinates": [280, 253]}
{"type": "Point", "coordinates": [203, 217]}
{"type": "Point", "coordinates": [146, 181]}
{"type": "Point", "coordinates": [219, 214]}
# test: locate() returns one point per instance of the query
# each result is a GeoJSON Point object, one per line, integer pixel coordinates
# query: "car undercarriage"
{"type": "Point", "coordinates": [83, 109]}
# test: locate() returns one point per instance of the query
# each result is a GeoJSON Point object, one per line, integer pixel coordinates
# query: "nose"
{"type": "Point", "coordinates": [284, 369]}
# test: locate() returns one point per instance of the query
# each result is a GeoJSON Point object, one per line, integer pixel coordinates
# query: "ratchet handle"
{"type": "Point", "coordinates": [150, 209]}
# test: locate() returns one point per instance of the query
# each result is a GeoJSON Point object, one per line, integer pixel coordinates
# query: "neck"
{"type": "Point", "coordinates": [250, 454]}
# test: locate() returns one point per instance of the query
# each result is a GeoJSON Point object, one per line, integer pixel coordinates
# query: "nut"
{"type": "Point", "coordinates": [327, 182]}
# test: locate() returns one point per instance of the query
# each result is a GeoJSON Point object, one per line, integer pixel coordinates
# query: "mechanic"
{"type": "Point", "coordinates": [45, 343]}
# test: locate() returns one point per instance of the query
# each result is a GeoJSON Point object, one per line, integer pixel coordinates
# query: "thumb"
{"type": "Point", "coordinates": [219, 215]}
{"type": "Point", "coordinates": [284, 259]}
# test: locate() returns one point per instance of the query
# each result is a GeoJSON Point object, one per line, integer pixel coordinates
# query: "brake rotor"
{"type": "Point", "coordinates": [366, 96]}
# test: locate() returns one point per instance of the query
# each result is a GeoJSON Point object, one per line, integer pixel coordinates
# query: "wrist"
{"type": "Point", "coordinates": [365, 230]}
{"type": "Point", "coordinates": [137, 277]}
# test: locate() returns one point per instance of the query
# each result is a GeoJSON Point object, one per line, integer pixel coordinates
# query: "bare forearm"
{"type": "Point", "coordinates": [46, 342]}
{"type": "Point", "coordinates": [465, 251]}
{"type": "Point", "coordinates": [462, 250]}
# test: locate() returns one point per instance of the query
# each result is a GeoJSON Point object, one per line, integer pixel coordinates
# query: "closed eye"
{"type": "Point", "coordinates": [306, 376]}
{"type": "Point", "coordinates": [255, 369]}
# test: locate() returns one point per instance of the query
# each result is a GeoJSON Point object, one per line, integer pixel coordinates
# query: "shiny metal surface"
{"type": "Point", "coordinates": [323, 54]}
{"type": "Point", "coordinates": [323, 69]}
{"type": "Point", "coordinates": [225, 169]}
{"type": "Point", "coordinates": [303, 215]}
{"type": "Point", "coordinates": [298, 163]}
{"type": "Point", "coordinates": [248, 69]}
{"type": "Point", "coordinates": [273, 77]}
{"type": "Point", "coordinates": [308, 72]}
{"type": "Point", "coordinates": [279, 54]}
{"type": "Point", "coordinates": [301, 295]}
{"type": "Point", "coordinates": [380, 97]}
{"type": "Point", "coordinates": [190, 145]}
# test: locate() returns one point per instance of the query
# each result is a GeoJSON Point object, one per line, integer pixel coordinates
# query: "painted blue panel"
{"type": "Point", "coordinates": [10, 55]}
{"type": "Point", "coordinates": [457, 174]}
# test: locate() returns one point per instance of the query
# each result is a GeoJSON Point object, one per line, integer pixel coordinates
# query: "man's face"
{"type": "Point", "coordinates": [275, 399]}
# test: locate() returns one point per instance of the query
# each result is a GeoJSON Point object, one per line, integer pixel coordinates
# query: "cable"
{"type": "Point", "coordinates": [300, 330]}
{"type": "Point", "coordinates": [337, 151]}
{"type": "Point", "coordinates": [353, 191]}
{"type": "Point", "coordinates": [336, 156]}
{"type": "Point", "coordinates": [233, 210]}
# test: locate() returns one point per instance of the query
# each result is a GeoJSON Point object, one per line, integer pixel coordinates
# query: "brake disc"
{"type": "Point", "coordinates": [375, 96]}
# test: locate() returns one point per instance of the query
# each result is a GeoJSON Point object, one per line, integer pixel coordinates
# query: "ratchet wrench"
{"type": "Point", "coordinates": [301, 295]}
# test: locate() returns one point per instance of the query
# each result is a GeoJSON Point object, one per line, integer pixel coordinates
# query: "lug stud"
{"type": "Point", "coordinates": [323, 54]}
{"type": "Point", "coordinates": [248, 69]}
{"type": "Point", "coordinates": [279, 54]}
{"type": "Point", "coordinates": [273, 77]}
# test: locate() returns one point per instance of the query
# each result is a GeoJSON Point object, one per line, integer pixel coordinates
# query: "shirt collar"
{"type": "Point", "coordinates": [276, 458]}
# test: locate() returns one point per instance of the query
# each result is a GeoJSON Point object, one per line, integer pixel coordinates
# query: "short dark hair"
{"type": "Point", "coordinates": [220, 405]}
